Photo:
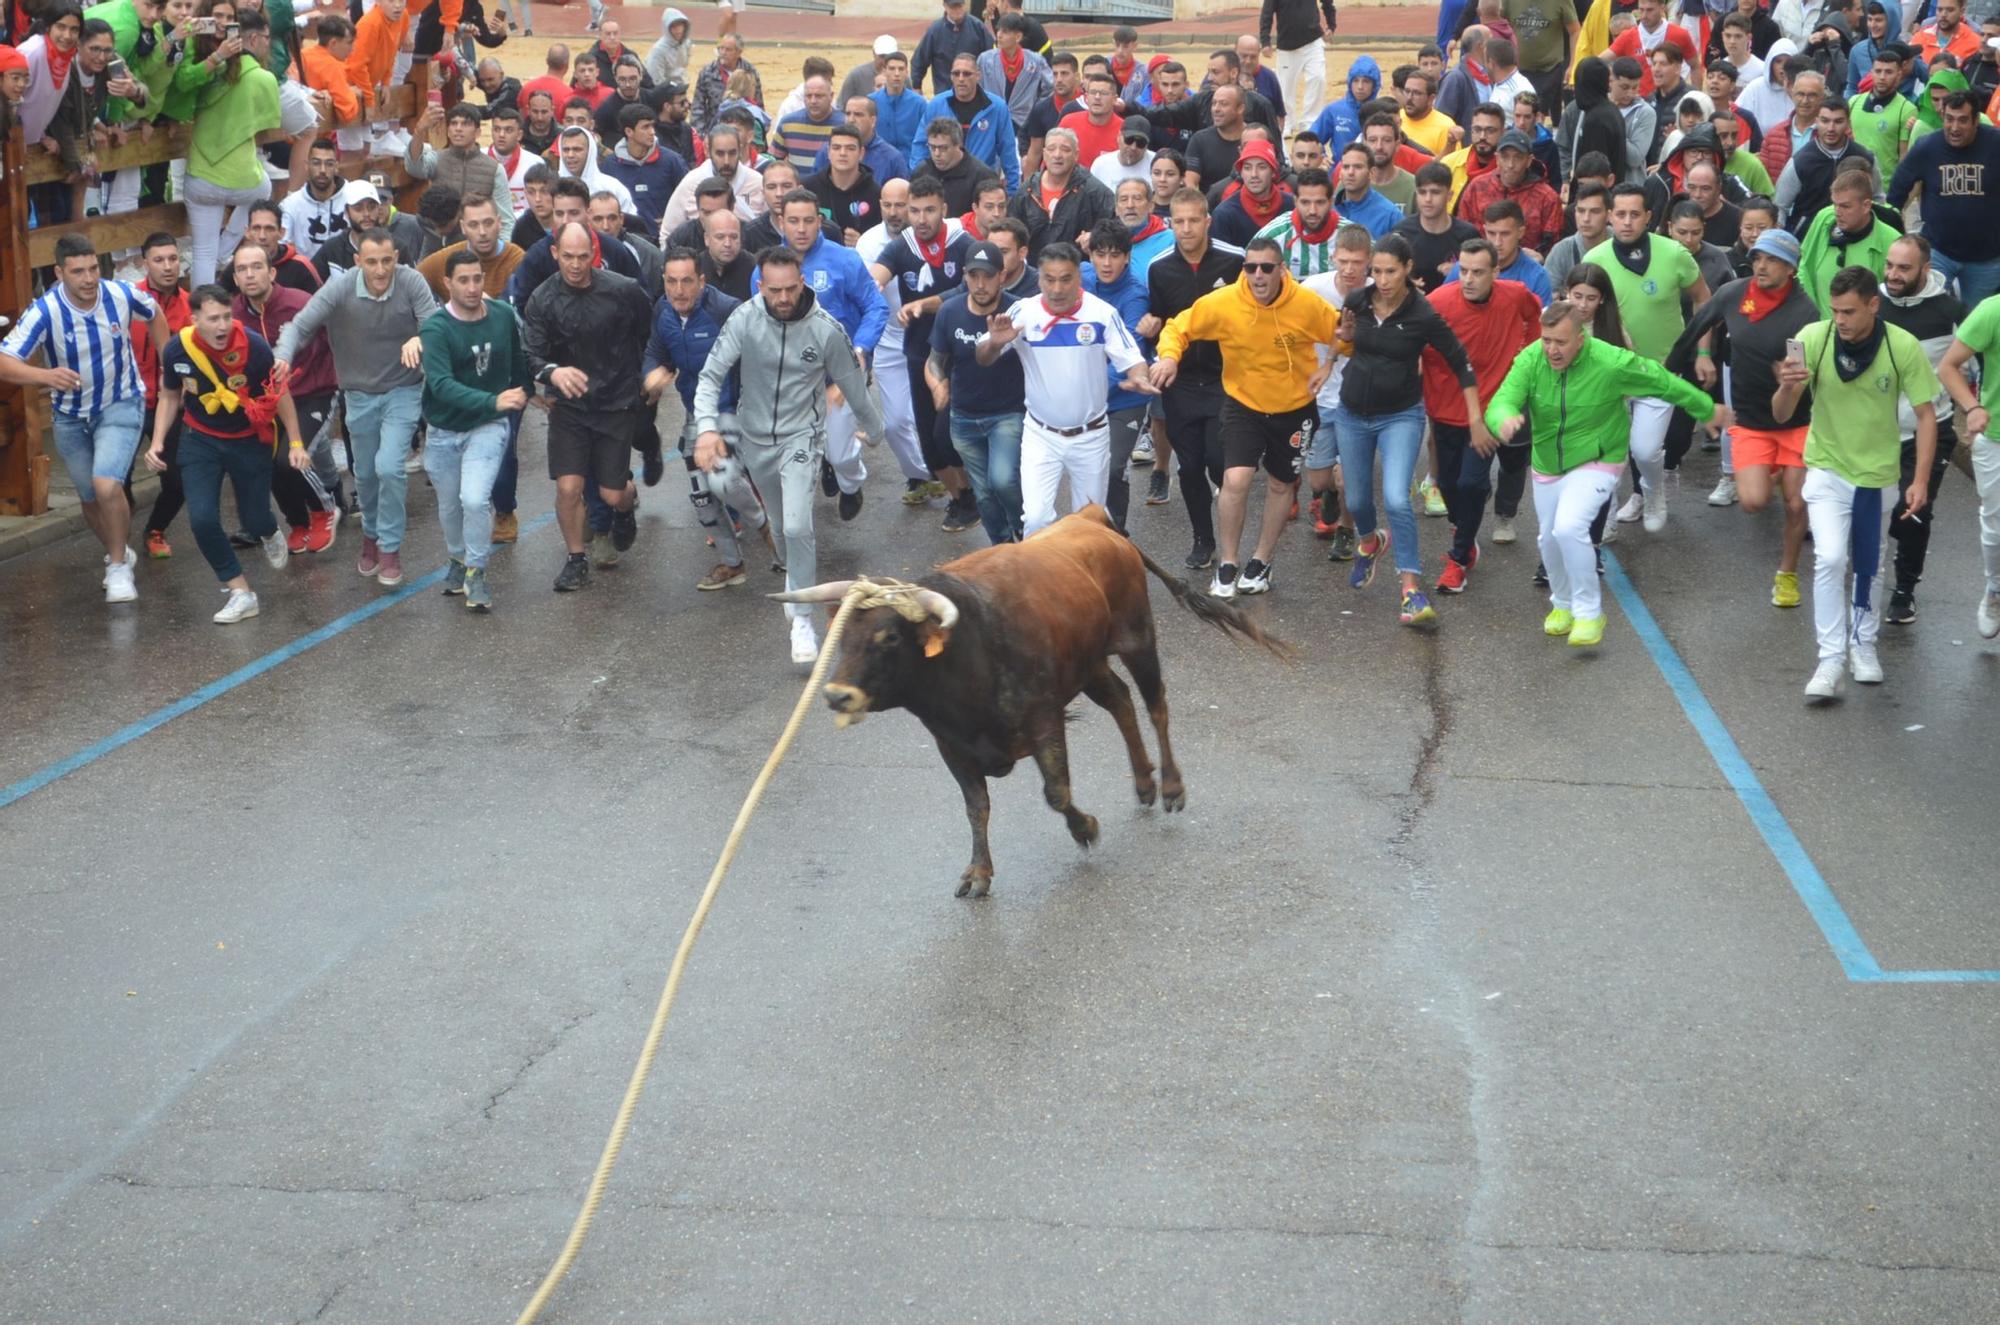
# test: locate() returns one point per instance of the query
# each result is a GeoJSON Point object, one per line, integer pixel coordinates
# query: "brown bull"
{"type": "Point", "coordinates": [992, 647]}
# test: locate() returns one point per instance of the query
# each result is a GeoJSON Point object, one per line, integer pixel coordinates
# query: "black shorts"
{"type": "Point", "coordinates": [598, 446]}
{"type": "Point", "coordinates": [1276, 441]}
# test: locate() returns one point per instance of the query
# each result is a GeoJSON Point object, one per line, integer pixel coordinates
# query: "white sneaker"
{"type": "Point", "coordinates": [1725, 492]}
{"type": "Point", "coordinates": [1634, 507]}
{"type": "Point", "coordinates": [1866, 665]}
{"type": "Point", "coordinates": [1655, 504]}
{"type": "Point", "coordinates": [805, 642]}
{"type": "Point", "coordinates": [1223, 585]}
{"type": "Point", "coordinates": [276, 551]}
{"type": "Point", "coordinates": [1503, 529]}
{"type": "Point", "coordinates": [1825, 683]}
{"type": "Point", "coordinates": [118, 584]}
{"type": "Point", "coordinates": [1610, 533]}
{"type": "Point", "coordinates": [131, 559]}
{"type": "Point", "coordinates": [242, 604]}
{"type": "Point", "coordinates": [1989, 615]}
{"type": "Point", "coordinates": [1142, 453]}
{"type": "Point", "coordinates": [413, 463]}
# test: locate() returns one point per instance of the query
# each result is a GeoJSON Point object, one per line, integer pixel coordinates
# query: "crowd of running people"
{"type": "Point", "coordinates": [1547, 258]}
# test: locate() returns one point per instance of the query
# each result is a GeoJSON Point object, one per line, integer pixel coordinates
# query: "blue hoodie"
{"type": "Point", "coordinates": [1374, 213]}
{"type": "Point", "coordinates": [1340, 123]}
{"type": "Point", "coordinates": [681, 345]}
{"type": "Point", "coordinates": [841, 284]}
{"type": "Point", "coordinates": [1128, 294]}
{"type": "Point", "coordinates": [901, 119]}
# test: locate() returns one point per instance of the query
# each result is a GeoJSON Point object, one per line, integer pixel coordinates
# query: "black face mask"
{"type": "Point", "coordinates": [1634, 258]}
{"type": "Point", "coordinates": [1850, 360]}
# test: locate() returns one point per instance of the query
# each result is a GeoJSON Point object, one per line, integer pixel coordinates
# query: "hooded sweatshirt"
{"type": "Point", "coordinates": [592, 174]}
{"type": "Point", "coordinates": [669, 58]}
{"type": "Point", "coordinates": [1340, 123]}
{"type": "Point", "coordinates": [1932, 316]}
{"type": "Point", "coordinates": [1578, 415]}
{"type": "Point", "coordinates": [1599, 127]}
{"type": "Point", "coordinates": [791, 361]}
{"type": "Point", "coordinates": [1267, 349]}
{"type": "Point", "coordinates": [650, 180]}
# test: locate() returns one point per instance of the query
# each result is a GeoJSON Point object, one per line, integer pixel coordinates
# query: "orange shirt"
{"type": "Point", "coordinates": [325, 73]}
{"type": "Point", "coordinates": [376, 41]}
{"type": "Point", "coordinates": [1963, 46]}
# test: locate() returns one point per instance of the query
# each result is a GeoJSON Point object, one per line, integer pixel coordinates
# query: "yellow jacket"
{"type": "Point", "coordinates": [1267, 349]}
{"type": "Point", "coordinates": [1595, 36]}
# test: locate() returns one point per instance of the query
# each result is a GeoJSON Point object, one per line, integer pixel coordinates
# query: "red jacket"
{"type": "Point", "coordinates": [1492, 333]}
{"type": "Point", "coordinates": [1538, 201]}
{"type": "Point", "coordinates": [312, 370]}
{"type": "Point", "coordinates": [179, 313]}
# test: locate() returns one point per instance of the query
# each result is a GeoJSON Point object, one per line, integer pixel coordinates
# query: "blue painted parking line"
{"type": "Point", "coordinates": [215, 689]}
{"type": "Point", "coordinates": [1812, 888]}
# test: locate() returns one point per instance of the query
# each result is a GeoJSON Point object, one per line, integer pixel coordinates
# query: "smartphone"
{"type": "Point", "coordinates": [1795, 350]}
{"type": "Point", "coordinates": [381, 183]}
{"type": "Point", "coordinates": [202, 26]}
{"type": "Point", "coordinates": [115, 71]}
{"type": "Point", "coordinates": [233, 32]}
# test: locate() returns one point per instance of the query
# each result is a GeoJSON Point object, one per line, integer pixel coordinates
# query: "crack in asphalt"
{"type": "Point", "coordinates": [536, 1055]}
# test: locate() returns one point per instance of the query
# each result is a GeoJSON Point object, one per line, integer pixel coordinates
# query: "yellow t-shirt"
{"type": "Point", "coordinates": [1432, 132]}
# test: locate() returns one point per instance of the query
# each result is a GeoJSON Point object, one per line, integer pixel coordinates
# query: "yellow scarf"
{"type": "Point", "coordinates": [220, 400]}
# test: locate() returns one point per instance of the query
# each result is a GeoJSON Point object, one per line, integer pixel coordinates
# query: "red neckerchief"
{"type": "Point", "coordinates": [1152, 227]}
{"type": "Point", "coordinates": [507, 163]}
{"type": "Point", "coordinates": [970, 223]}
{"type": "Point", "coordinates": [1061, 317]}
{"type": "Point", "coordinates": [1478, 73]}
{"type": "Point", "coordinates": [59, 62]}
{"type": "Point", "coordinates": [1011, 66]}
{"type": "Point", "coordinates": [1759, 303]}
{"type": "Point", "coordinates": [1319, 236]}
{"type": "Point", "coordinates": [933, 252]}
{"type": "Point", "coordinates": [1124, 75]}
{"type": "Point", "coordinates": [1263, 213]}
{"type": "Point", "coordinates": [231, 358]}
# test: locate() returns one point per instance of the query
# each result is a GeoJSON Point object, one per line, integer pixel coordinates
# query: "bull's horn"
{"type": "Point", "coordinates": [938, 606]}
{"type": "Point", "coordinates": [830, 592]}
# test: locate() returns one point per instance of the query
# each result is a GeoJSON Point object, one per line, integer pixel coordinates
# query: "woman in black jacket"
{"type": "Point", "coordinates": [1599, 126]}
{"type": "Point", "coordinates": [1389, 324]}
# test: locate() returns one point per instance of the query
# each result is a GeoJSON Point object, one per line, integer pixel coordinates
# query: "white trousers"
{"type": "Point", "coordinates": [1986, 475]}
{"type": "Point", "coordinates": [899, 416]}
{"type": "Point", "coordinates": [842, 451]}
{"type": "Point", "coordinates": [216, 220]}
{"type": "Point", "coordinates": [1564, 509]}
{"type": "Point", "coordinates": [1650, 417]}
{"type": "Point", "coordinates": [1847, 536]}
{"type": "Point", "coordinates": [1047, 456]}
{"type": "Point", "coordinates": [1302, 77]}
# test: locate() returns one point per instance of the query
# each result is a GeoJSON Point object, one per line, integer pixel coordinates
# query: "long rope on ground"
{"type": "Point", "coordinates": [864, 593]}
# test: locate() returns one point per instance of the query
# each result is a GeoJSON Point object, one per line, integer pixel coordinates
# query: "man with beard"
{"type": "Point", "coordinates": [899, 416]}
{"type": "Point", "coordinates": [1304, 235]}
{"type": "Point", "coordinates": [671, 128]}
{"type": "Point", "coordinates": [1482, 132]}
{"type": "Point", "coordinates": [1359, 204]}
{"type": "Point", "coordinates": [1915, 299]}
{"type": "Point", "coordinates": [1386, 173]}
{"type": "Point", "coordinates": [539, 129]}
{"type": "Point", "coordinates": [316, 213]}
{"type": "Point", "coordinates": [725, 162]}
{"type": "Point", "coordinates": [1258, 203]}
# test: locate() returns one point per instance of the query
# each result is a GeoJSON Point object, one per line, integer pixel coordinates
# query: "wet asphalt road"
{"type": "Point", "coordinates": [1465, 989]}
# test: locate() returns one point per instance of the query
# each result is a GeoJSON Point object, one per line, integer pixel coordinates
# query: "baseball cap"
{"type": "Point", "coordinates": [358, 190]}
{"type": "Point", "coordinates": [983, 256]}
{"type": "Point", "coordinates": [1136, 127]}
{"type": "Point", "coordinates": [1780, 244]}
{"type": "Point", "coordinates": [885, 45]}
{"type": "Point", "coordinates": [1258, 150]}
{"type": "Point", "coordinates": [1515, 141]}
{"type": "Point", "coordinates": [676, 87]}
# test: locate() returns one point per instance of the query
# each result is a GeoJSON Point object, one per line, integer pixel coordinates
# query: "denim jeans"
{"type": "Point", "coordinates": [1465, 478]}
{"type": "Point", "coordinates": [1399, 437]}
{"type": "Point", "coordinates": [1976, 280]}
{"type": "Point", "coordinates": [504, 500]}
{"type": "Point", "coordinates": [990, 446]}
{"type": "Point", "coordinates": [100, 445]}
{"type": "Point", "coordinates": [204, 461]}
{"type": "Point", "coordinates": [379, 428]}
{"type": "Point", "coordinates": [462, 466]}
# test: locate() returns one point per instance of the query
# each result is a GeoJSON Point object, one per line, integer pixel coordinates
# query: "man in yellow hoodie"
{"type": "Point", "coordinates": [1266, 325]}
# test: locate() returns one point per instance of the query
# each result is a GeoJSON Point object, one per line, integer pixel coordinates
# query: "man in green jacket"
{"type": "Point", "coordinates": [1571, 389]}
{"type": "Point", "coordinates": [475, 375]}
{"type": "Point", "coordinates": [1848, 232]}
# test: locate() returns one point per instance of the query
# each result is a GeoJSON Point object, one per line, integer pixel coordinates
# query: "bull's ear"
{"type": "Point", "coordinates": [935, 638]}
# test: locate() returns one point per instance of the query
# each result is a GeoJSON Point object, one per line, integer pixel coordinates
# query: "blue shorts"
{"type": "Point", "coordinates": [1324, 451]}
{"type": "Point", "coordinates": [100, 445]}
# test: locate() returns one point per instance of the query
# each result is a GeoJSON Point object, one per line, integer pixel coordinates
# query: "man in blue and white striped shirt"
{"type": "Point", "coordinates": [83, 328]}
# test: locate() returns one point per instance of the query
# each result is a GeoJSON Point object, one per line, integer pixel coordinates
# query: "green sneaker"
{"type": "Point", "coordinates": [1587, 632]}
{"type": "Point", "coordinates": [477, 596]}
{"type": "Point", "coordinates": [454, 579]}
{"type": "Point", "coordinates": [1433, 499]}
{"type": "Point", "coordinates": [1558, 622]}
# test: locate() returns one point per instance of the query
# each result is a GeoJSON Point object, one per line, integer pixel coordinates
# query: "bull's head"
{"type": "Point", "coordinates": [883, 646]}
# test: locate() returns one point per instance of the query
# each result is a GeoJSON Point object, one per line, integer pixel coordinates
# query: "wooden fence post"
{"type": "Point", "coordinates": [24, 470]}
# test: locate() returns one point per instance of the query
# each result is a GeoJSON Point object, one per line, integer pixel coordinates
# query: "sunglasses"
{"type": "Point", "coordinates": [1260, 266]}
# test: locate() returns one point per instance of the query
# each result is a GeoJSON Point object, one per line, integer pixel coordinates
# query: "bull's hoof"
{"type": "Point", "coordinates": [1174, 798]}
{"type": "Point", "coordinates": [974, 883]}
{"type": "Point", "coordinates": [1084, 829]}
{"type": "Point", "coordinates": [1148, 791]}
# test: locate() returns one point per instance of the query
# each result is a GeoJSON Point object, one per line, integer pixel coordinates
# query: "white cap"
{"type": "Point", "coordinates": [358, 190]}
{"type": "Point", "coordinates": [886, 45]}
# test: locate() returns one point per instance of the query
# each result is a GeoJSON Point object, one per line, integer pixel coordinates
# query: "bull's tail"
{"type": "Point", "coordinates": [1225, 617]}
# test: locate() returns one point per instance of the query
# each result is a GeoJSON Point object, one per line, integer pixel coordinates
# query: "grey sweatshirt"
{"type": "Point", "coordinates": [785, 368]}
{"type": "Point", "coordinates": [366, 334]}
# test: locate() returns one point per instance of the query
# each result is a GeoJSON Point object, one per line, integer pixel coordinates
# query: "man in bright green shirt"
{"type": "Point", "coordinates": [1980, 334]}
{"type": "Point", "coordinates": [1884, 120]}
{"type": "Point", "coordinates": [1848, 232]}
{"type": "Point", "coordinates": [1649, 274]}
{"type": "Point", "coordinates": [1859, 369]}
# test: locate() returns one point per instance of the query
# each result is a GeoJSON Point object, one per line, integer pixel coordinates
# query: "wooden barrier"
{"type": "Point", "coordinates": [24, 414]}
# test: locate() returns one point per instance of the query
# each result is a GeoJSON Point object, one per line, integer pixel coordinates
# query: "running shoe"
{"type": "Point", "coordinates": [413, 463]}
{"type": "Point", "coordinates": [1343, 545]}
{"type": "Point", "coordinates": [277, 549]}
{"type": "Point", "coordinates": [1558, 622]}
{"type": "Point", "coordinates": [653, 462]}
{"type": "Point", "coordinates": [1224, 584]}
{"type": "Point", "coordinates": [805, 643]}
{"type": "Point", "coordinates": [391, 573]}
{"type": "Point", "coordinates": [1586, 632]}
{"type": "Point", "coordinates": [625, 527]}
{"type": "Point", "coordinates": [1433, 498]}
{"type": "Point", "coordinates": [1902, 608]}
{"type": "Point", "coordinates": [959, 515]}
{"type": "Point", "coordinates": [370, 560]}
{"type": "Point", "coordinates": [1825, 684]}
{"type": "Point", "coordinates": [1142, 451]}
{"type": "Point", "coordinates": [828, 485]}
{"type": "Point", "coordinates": [603, 551]}
{"type": "Point", "coordinates": [295, 540]}
{"type": "Point", "coordinates": [1323, 527]}
{"type": "Point", "coordinates": [321, 529]}
{"type": "Point", "coordinates": [1989, 615]}
{"type": "Point", "coordinates": [1256, 577]}
{"type": "Point", "coordinates": [1865, 663]}
{"type": "Point", "coordinates": [1541, 579]}
{"type": "Point", "coordinates": [241, 606]}
{"type": "Point", "coordinates": [1200, 557]}
{"type": "Point", "coordinates": [722, 577]}
{"type": "Point", "coordinates": [1785, 589]}
{"type": "Point", "coordinates": [1365, 558]}
{"type": "Point", "coordinates": [850, 506]}
{"type": "Point", "coordinates": [478, 597]}
{"type": "Point", "coordinates": [934, 489]}
{"type": "Point", "coordinates": [1654, 510]}
{"type": "Point", "coordinates": [1633, 509]}
{"type": "Point", "coordinates": [1156, 488]}
{"type": "Point", "coordinates": [1724, 493]}
{"type": "Point", "coordinates": [1452, 578]}
{"type": "Point", "coordinates": [506, 526]}
{"type": "Point", "coordinates": [119, 586]}
{"type": "Point", "coordinates": [1417, 609]}
{"type": "Point", "coordinates": [1503, 529]}
{"type": "Point", "coordinates": [916, 492]}
{"type": "Point", "coordinates": [574, 575]}
{"type": "Point", "coordinates": [156, 545]}
{"type": "Point", "coordinates": [454, 579]}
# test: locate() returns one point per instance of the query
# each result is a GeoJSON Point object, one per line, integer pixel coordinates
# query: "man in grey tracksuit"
{"type": "Point", "coordinates": [786, 350]}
